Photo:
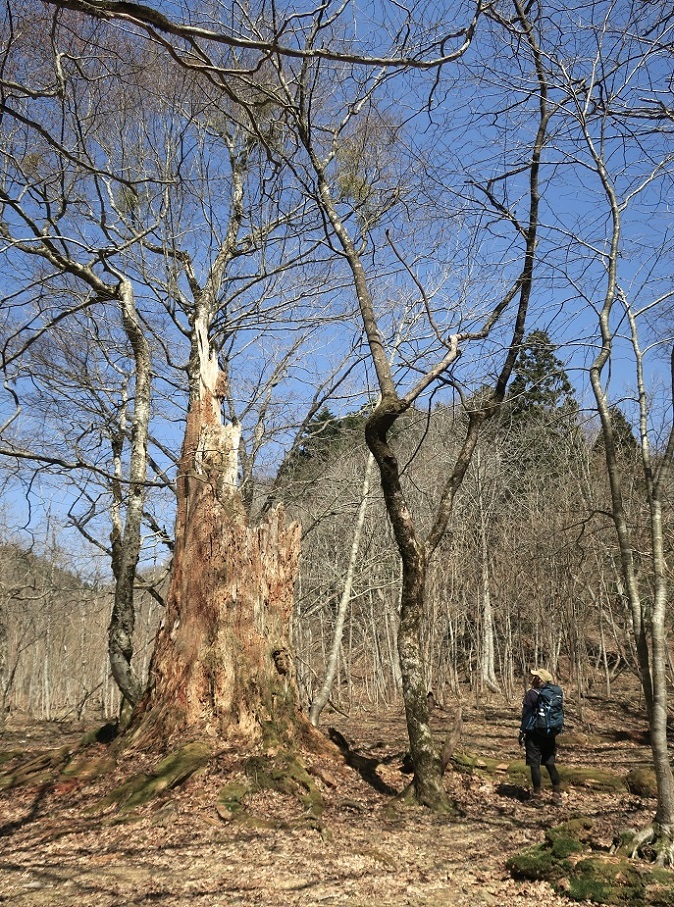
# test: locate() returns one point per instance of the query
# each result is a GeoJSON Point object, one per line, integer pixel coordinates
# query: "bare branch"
{"type": "Point", "coordinates": [425, 57]}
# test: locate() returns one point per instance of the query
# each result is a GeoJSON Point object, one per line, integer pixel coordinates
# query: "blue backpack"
{"type": "Point", "coordinates": [549, 717]}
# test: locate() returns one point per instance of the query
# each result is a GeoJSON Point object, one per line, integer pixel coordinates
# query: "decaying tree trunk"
{"type": "Point", "coordinates": [221, 665]}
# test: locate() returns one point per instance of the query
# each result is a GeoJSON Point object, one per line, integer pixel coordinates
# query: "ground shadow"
{"type": "Point", "coordinates": [366, 766]}
{"type": "Point", "coordinates": [9, 828]}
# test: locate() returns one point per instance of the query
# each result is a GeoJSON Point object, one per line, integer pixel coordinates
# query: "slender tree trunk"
{"type": "Point", "coordinates": [428, 785]}
{"type": "Point", "coordinates": [126, 538]}
{"type": "Point", "coordinates": [321, 699]}
{"type": "Point", "coordinates": [649, 629]}
{"type": "Point", "coordinates": [5, 674]}
{"type": "Point", "coordinates": [414, 553]}
{"type": "Point", "coordinates": [487, 669]}
{"type": "Point", "coordinates": [663, 768]}
{"type": "Point", "coordinates": [604, 653]}
{"type": "Point", "coordinates": [46, 670]}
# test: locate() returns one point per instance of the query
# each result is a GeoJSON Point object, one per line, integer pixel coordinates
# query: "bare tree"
{"type": "Point", "coordinates": [106, 213]}
{"type": "Point", "coordinates": [223, 290]}
{"type": "Point", "coordinates": [291, 89]}
{"type": "Point", "coordinates": [354, 227]}
{"type": "Point", "coordinates": [614, 106]}
{"type": "Point", "coordinates": [55, 187]}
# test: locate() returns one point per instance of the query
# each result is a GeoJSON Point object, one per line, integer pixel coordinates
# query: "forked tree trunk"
{"type": "Point", "coordinates": [221, 665]}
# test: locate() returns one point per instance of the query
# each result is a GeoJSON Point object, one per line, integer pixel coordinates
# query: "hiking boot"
{"type": "Point", "coordinates": [556, 798]}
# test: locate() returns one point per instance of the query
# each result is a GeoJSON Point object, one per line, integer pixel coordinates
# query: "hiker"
{"type": "Point", "coordinates": [542, 720]}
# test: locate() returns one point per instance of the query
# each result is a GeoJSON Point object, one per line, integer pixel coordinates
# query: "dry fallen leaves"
{"type": "Point", "coordinates": [177, 852]}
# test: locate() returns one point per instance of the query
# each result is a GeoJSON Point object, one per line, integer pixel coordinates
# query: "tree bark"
{"type": "Point", "coordinates": [648, 622]}
{"type": "Point", "coordinates": [487, 658]}
{"type": "Point", "coordinates": [222, 664]}
{"type": "Point", "coordinates": [126, 540]}
{"type": "Point", "coordinates": [428, 785]}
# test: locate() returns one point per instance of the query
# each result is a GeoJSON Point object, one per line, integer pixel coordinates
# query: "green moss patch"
{"type": "Point", "coordinates": [85, 768]}
{"type": "Point", "coordinates": [569, 838]}
{"type": "Point", "coordinates": [11, 756]}
{"type": "Point", "coordinates": [169, 773]}
{"type": "Point", "coordinates": [283, 773]}
{"type": "Point", "coordinates": [538, 864]}
{"type": "Point", "coordinates": [550, 861]}
{"type": "Point", "coordinates": [641, 781]}
{"type": "Point", "coordinates": [593, 778]}
{"type": "Point", "coordinates": [567, 861]}
{"type": "Point", "coordinates": [517, 772]}
{"type": "Point", "coordinates": [286, 774]}
{"type": "Point", "coordinates": [606, 880]}
{"type": "Point", "coordinates": [230, 799]}
{"type": "Point", "coordinates": [470, 764]}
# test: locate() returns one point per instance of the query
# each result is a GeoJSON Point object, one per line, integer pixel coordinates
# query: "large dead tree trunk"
{"type": "Point", "coordinates": [221, 665]}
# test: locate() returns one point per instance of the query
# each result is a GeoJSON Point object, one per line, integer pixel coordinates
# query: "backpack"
{"type": "Point", "coordinates": [549, 717]}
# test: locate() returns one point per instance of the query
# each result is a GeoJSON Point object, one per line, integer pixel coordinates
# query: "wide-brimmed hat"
{"type": "Point", "coordinates": [545, 676]}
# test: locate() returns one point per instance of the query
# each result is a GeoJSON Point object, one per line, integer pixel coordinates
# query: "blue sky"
{"type": "Point", "coordinates": [477, 126]}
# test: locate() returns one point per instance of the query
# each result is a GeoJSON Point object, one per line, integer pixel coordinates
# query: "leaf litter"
{"type": "Point", "coordinates": [180, 850]}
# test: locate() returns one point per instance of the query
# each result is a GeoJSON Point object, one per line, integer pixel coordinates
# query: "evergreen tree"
{"type": "Point", "coordinates": [540, 383]}
{"type": "Point", "coordinates": [540, 415]}
{"type": "Point", "coordinates": [325, 438]}
{"type": "Point", "coordinates": [320, 435]}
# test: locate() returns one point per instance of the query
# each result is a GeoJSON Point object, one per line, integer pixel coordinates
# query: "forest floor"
{"type": "Point", "coordinates": [180, 851]}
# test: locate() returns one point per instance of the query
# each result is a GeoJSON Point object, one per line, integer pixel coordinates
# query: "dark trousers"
{"type": "Point", "coordinates": [541, 749]}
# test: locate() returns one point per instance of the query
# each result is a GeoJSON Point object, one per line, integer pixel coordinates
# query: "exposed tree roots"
{"type": "Point", "coordinates": [172, 771]}
{"type": "Point", "coordinates": [286, 774]}
{"type": "Point", "coordinates": [654, 843]}
{"type": "Point", "coordinates": [40, 769]}
{"type": "Point", "coordinates": [570, 861]}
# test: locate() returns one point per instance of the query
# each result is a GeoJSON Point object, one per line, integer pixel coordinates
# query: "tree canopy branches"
{"type": "Point", "coordinates": [427, 54]}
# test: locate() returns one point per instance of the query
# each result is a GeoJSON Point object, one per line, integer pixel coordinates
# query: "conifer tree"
{"type": "Point", "coordinates": [540, 416]}
{"type": "Point", "coordinates": [625, 442]}
{"type": "Point", "coordinates": [540, 383]}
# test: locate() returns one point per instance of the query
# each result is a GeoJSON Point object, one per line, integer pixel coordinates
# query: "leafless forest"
{"type": "Point", "coordinates": [528, 576]}
{"type": "Point", "coordinates": [336, 347]}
